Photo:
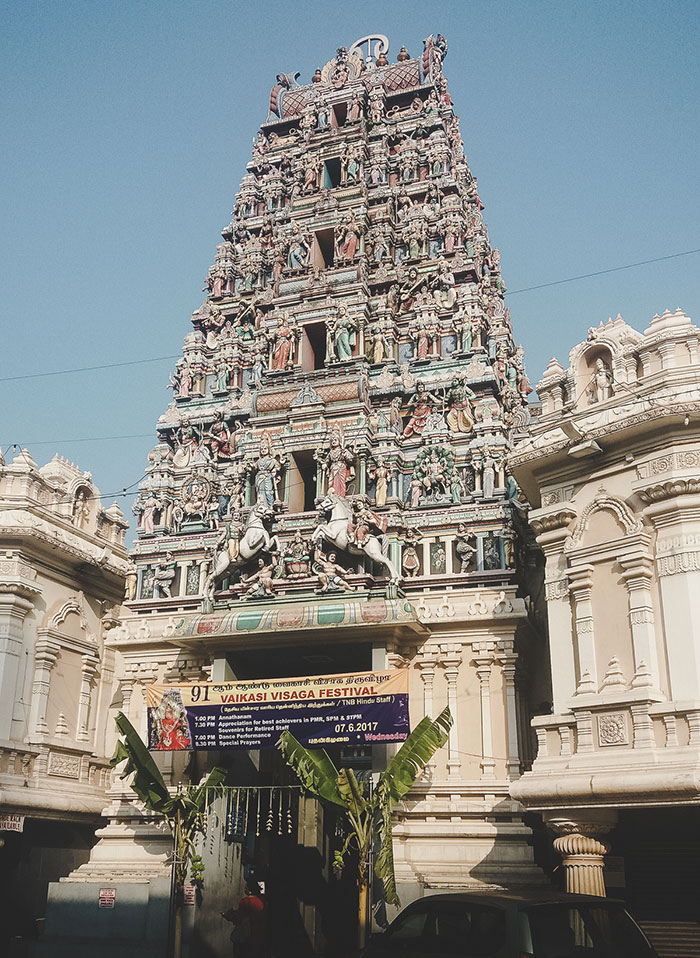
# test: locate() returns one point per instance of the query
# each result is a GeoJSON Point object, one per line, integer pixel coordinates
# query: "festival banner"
{"type": "Point", "coordinates": [356, 708]}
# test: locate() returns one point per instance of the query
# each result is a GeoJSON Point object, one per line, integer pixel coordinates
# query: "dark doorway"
{"type": "Point", "coordinates": [316, 338]}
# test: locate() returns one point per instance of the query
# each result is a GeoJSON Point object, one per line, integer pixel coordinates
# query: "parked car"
{"type": "Point", "coordinates": [512, 925]}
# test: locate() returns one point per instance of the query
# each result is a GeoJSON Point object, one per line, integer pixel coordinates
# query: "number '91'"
{"type": "Point", "coordinates": [196, 693]}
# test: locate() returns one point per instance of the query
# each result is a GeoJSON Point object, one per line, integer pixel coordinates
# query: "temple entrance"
{"type": "Point", "coordinates": [263, 827]}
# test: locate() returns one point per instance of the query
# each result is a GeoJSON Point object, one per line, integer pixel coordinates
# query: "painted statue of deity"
{"type": "Point", "coordinates": [420, 407]}
{"type": "Point", "coordinates": [284, 342]}
{"type": "Point", "coordinates": [337, 464]}
{"type": "Point", "coordinates": [381, 473]}
{"type": "Point", "coordinates": [340, 335]}
{"type": "Point", "coordinates": [267, 469]}
{"type": "Point", "coordinates": [459, 402]}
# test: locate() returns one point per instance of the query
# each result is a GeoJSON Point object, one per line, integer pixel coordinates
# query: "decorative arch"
{"type": "Point", "coordinates": [74, 603]}
{"type": "Point", "coordinates": [610, 503]}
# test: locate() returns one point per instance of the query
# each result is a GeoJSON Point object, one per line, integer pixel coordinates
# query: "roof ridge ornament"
{"type": "Point", "coordinates": [377, 46]}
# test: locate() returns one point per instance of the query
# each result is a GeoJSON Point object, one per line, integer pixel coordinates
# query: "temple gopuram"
{"type": "Point", "coordinates": [328, 490]}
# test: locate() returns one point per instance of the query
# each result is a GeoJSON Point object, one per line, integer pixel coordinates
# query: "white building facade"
{"type": "Point", "coordinates": [62, 569]}
{"type": "Point", "coordinates": [612, 468]}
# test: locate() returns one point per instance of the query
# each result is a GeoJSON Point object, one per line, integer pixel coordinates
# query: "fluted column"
{"type": "Point", "coordinates": [88, 672]}
{"type": "Point", "coordinates": [451, 658]}
{"type": "Point", "coordinates": [45, 656]}
{"type": "Point", "coordinates": [583, 851]}
{"type": "Point", "coordinates": [552, 530]}
{"type": "Point", "coordinates": [508, 659]}
{"type": "Point", "coordinates": [483, 660]}
{"type": "Point", "coordinates": [638, 573]}
{"type": "Point", "coordinates": [581, 586]}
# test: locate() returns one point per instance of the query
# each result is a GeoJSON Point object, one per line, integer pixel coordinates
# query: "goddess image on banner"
{"type": "Point", "coordinates": [357, 708]}
{"type": "Point", "coordinates": [168, 728]}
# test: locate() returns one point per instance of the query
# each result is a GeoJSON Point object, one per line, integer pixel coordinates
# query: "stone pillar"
{"type": "Point", "coordinates": [581, 585]}
{"type": "Point", "coordinates": [675, 516]}
{"type": "Point", "coordinates": [483, 659]}
{"type": "Point", "coordinates": [507, 659]}
{"type": "Point", "coordinates": [427, 664]}
{"type": "Point", "coordinates": [583, 849]}
{"type": "Point", "coordinates": [16, 601]}
{"type": "Point", "coordinates": [45, 656]}
{"type": "Point", "coordinates": [638, 573]}
{"type": "Point", "coordinates": [88, 672]}
{"type": "Point", "coordinates": [363, 471]}
{"type": "Point", "coordinates": [552, 530]}
{"type": "Point", "coordinates": [451, 659]}
{"type": "Point", "coordinates": [127, 687]}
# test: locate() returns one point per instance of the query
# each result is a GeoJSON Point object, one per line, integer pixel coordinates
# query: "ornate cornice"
{"type": "Point", "coordinates": [670, 489]}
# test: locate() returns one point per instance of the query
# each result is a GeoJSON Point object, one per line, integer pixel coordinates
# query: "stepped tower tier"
{"type": "Point", "coordinates": [354, 342]}
{"type": "Point", "coordinates": [328, 491]}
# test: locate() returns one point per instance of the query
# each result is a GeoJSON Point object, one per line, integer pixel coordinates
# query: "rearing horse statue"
{"type": "Point", "coordinates": [255, 539]}
{"type": "Point", "coordinates": [335, 531]}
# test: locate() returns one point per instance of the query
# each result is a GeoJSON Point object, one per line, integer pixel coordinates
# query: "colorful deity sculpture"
{"type": "Point", "coordinates": [337, 464]}
{"type": "Point", "coordinates": [266, 469]}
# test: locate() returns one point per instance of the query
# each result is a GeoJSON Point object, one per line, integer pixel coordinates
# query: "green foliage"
{"type": "Point", "coordinates": [425, 739]}
{"type": "Point", "coordinates": [148, 782]}
{"type": "Point", "coordinates": [184, 811]}
{"type": "Point", "coordinates": [369, 813]}
{"type": "Point", "coordinates": [315, 770]}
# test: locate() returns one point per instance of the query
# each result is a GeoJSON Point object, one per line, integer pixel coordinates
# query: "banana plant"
{"type": "Point", "coordinates": [184, 811]}
{"type": "Point", "coordinates": [368, 811]}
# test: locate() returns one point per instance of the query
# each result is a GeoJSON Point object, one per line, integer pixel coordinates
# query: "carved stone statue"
{"type": "Point", "coordinates": [462, 547]}
{"type": "Point", "coordinates": [164, 575]}
{"type": "Point", "coordinates": [267, 469]}
{"type": "Point", "coordinates": [260, 582]}
{"type": "Point", "coordinates": [488, 474]}
{"type": "Point", "coordinates": [331, 576]}
{"type": "Point", "coordinates": [284, 342]}
{"type": "Point", "coordinates": [296, 559]}
{"type": "Point", "coordinates": [130, 582]}
{"type": "Point", "coordinates": [81, 509]}
{"type": "Point", "coordinates": [410, 562]}
{"type": "Point", "coordinates": [381, 473]}
{"type": "Point", "coordinates": [340, 335]}
{"type": "Point", "coordinates": [337, 464]}
{"type": "Point", "coordinates": [420, 406]}
{"type": "Point", "coordinates": [602, 385]}
{"type": "Point", "coordinates": [459, 404]}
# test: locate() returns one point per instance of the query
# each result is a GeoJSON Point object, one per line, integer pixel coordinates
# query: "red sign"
{"type": "Point", "coordinates": [107, 897]}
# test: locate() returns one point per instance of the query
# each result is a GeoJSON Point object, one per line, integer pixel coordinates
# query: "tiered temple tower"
{"type": "Point", "coordinates": [328, 490]}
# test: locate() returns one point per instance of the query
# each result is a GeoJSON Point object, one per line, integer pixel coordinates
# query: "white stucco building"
{"type": "Point", "coordinates": [612, 468]}
{"type": "Point", "coordinates": [62, 568]}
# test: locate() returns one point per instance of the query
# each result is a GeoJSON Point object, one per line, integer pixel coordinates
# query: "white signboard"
{"type": "Point", "coordinates": [107, 897]}
{"type": "Point", "coordinates": [11, 823]}
{"type": "Point", "coordinates": [190, 893]}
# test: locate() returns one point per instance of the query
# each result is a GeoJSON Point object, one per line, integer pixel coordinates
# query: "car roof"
{"type": "Point", "coordinates": [524, 896]}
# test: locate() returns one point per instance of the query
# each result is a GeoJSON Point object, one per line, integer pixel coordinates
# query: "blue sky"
{"type": "Point", "coordinates": [126, 128]}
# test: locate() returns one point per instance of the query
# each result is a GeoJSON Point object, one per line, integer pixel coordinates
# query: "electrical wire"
{"type": "Point", "coordinates": [87, 369]}
{"type": "Point", "coordinates": [510, 292]}
{"type": "Point", "coordinates": [601, 272]}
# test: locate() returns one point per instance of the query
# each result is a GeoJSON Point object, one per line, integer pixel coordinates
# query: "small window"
{"type": "Point", "coordinates": [302, 482]}
{"type": "Point", "coordinates": [340, 112]}
{"type": "Point", "coordinates": [324, 248]}
{"type": "Point", "coordinates": [316, 340]}
{"type": "Point", "coordinates": [331, 173]}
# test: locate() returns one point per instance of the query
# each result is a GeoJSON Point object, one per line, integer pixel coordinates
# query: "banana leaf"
{"type": "Point", "coordinates": [148, 782]}
{"type": "Point", "coordinates": [314, 768]}
{"type": "Point", "coordinates": [384, 862]}
{"type": "Point", "coordinates": [425, 739]}
{"type": "Point", "coordinates": [351, 792]}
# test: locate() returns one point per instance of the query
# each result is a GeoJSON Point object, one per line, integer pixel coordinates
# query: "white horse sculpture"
{"type": "Point", "coordinates": [255, 539]}
{"type": "Point", "coordinates": [335, 531]}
